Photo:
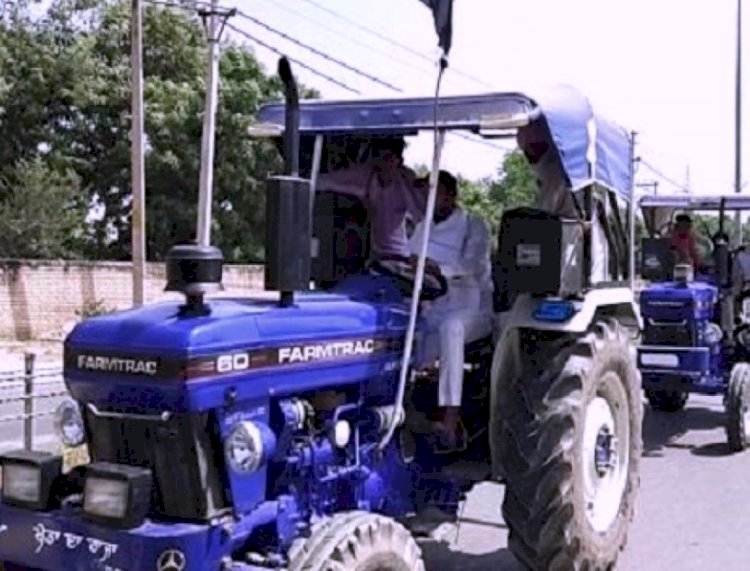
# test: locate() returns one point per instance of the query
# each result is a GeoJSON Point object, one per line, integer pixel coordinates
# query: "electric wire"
{"type": "Point", "coordinates": [195, 4]}
{"type": "Point", "coordinates": [319, 53]}
{"type": "Point", "coordinates": [294, 60]}
{"type": "Point", "coordinates": [661, 175]}
{"type": "Point", "coordinates": [393, 42]}
{"type": "Point", "coordinates": [367, 46]}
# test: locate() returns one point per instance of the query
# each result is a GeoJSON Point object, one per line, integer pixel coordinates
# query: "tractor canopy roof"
{"type": "Point", "coordinates": [658, 210]}
{"type": "Point", "coordinates": [696, 202]}
{"type": "Point", "coordinates": [592, 149]}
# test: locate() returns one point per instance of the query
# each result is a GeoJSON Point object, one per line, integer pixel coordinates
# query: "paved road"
{"type": "Point", "coordinates": [693, 511]}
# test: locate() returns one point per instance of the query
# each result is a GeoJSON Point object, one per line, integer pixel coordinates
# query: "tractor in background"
{"type": "Point", "coordinates": [256, 434]}
{"type": "Point", "coordinates": [696, 336]}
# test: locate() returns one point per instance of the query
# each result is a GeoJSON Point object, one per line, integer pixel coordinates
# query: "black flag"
{"type": "Point", "coordinates": [442, 12]}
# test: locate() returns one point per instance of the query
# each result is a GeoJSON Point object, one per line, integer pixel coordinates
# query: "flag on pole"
{"type": "Point", "coordinates": [442, 12]}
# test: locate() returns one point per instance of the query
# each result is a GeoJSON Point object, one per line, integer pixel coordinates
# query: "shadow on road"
{"type": "Point", "coordinates": [713, 450]}
{"type": "Point", "coordinates": [441, 556]}
{"type": "Point", "coordinates": [662, 429]}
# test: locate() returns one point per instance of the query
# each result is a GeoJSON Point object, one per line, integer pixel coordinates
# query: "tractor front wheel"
{"type": "Point", "coordinates": [666, 400]}
{"type": "Point", "coordinates": [738, 411]}
{"type": "Point", "coordinates": [569, 450]}
{"type": "Point", "coordinates": [357, 541]}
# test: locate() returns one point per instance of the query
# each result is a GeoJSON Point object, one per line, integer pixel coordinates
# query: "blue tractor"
{"type": "Point", "coordinates": [285, 433]}
{"type": "Point", "coordinates": [695, 336]}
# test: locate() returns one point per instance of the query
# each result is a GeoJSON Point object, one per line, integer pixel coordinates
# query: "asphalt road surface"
{"type": "Point", "coordinates": [693, 511]}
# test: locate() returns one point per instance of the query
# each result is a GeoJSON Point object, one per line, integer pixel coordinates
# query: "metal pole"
{"type": "Point", "coordinates": [28, 402]}
{"type": "Point", "coordinates": [138, 221]}
{"type": "Point", "coordinates": [738, 124]}
{"type": "Point", "coordinates": [632, 214]}
{"type": "Point", "coordinates": [205, 196]}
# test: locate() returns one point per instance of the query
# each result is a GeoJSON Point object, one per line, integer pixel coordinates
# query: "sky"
{"type": "Point", "coordinates": [664, 69]}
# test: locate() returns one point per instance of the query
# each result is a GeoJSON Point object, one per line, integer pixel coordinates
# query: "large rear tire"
{"type": "Point", "coordinates": [357, 541]}
{"type": "Point", "coordinates": [667, 400]}
{"type": "Point", "coordinates": [570, 449]}
{"type": "Point", "coordinates": [738, 408]}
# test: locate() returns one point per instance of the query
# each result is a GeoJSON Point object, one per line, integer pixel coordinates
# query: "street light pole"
{"type": "Point", "coordinates": [138, 218]}
{"type": "Point", "coordinates": [738, 123]}
{"type": "Point", "coordinates": [205, 193]}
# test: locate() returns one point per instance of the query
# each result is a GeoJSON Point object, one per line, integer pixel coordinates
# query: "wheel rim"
{"type": "Point", "coordinates": [745, 422]}
{"type": "Point", "coordinates": [606, 442]}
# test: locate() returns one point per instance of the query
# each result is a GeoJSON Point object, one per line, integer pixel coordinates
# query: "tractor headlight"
{"type": "Point", "coordinates": [27, 478]}
{"type": "Point", "coordinates": [116, 494]}
{"type": "Point", "coordinates": [713, 334]}
{"type": "Point", "coordinates": [69, 423]}
{"type": "Point", "coordinates": [248, 445]}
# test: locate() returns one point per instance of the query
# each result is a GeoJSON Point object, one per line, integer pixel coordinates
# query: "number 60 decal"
{"type": "Point", "coordinates": [229, 363]}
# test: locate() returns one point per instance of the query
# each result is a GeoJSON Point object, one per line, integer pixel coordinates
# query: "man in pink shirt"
{"type": "Point", "coordinates": [683, 242]}
{"type": "Point", "coordinates": [390, 192]}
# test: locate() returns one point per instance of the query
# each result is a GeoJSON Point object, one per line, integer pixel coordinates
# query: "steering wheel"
{"type": "Point", "coordinates": [402, 272]}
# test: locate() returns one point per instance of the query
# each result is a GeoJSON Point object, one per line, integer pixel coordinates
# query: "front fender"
{"type": "Point", "coordinates": [618, 303]}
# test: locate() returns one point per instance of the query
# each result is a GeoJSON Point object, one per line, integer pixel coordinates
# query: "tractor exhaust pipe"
{"type": "Point", "coordinates": [288, 208]}
{"type": "Point", "coordinates": [291, 127]}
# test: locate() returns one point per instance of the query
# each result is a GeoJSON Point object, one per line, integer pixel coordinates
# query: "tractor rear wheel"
{"type": "Point", "coordinates": [357, 541]}
{"type": "Point", "coordinates": [570, 449]}
{"type": "Point", "coordinates": [666, 401]}
{"type": "Point", "coordinates": [738, 409]}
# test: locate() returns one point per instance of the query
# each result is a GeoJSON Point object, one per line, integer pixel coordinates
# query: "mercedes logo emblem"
{"type": "Point", "coordinates": [171, 560]}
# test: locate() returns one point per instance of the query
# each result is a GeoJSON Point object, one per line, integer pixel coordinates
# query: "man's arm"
{"type": "Point", "coordinates": [352, 180]}
{"type": "Point", "coordinates": [475, 256]}
{"type": "Point", "coordinates": [694, 251]}
{"type": "Point", "coordinates": [413, 193]}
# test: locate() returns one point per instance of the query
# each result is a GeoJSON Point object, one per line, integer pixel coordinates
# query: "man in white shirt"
{"type": "Point", "coordinates": [459, 247]}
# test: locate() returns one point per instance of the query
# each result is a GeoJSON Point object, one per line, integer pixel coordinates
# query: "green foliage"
{"type": "Point", "coordinates": [65, 98]}
{"type": "Point", "coordinates": [41, 211]}
{"type": "Point", "coordinates": [516, 185]}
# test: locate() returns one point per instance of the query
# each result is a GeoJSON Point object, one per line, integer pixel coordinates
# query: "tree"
{"type": "Point", "coordinates": [65, 98]}
{"type": "Point", "coordinates": [516, 185]}
{"type": "Point", "coordinates": [43, 216]}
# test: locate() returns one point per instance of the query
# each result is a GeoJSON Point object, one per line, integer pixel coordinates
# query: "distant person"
{"type": "Point", "coordinates": [683, 242]}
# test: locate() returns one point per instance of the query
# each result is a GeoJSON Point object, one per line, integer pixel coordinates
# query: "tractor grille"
{"type": "Point", "coordinates": [678, 334]}
{"type": "Point", "coordinates": [180, 453]}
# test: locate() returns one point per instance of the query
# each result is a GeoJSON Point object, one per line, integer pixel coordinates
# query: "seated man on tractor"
{"type": "Point", "coordinates": [390, 192]}
{"type": "Point", "coordinates": [458, 248]}
{"type": "Point", "coordinates": [683, 242]}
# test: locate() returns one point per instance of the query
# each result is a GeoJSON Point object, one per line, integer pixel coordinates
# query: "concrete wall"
{"type": "Point", "coordinates": [44, 299]}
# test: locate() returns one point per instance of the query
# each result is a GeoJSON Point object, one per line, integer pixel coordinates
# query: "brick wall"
{"type": "Point", "coordinates": [44, 299]}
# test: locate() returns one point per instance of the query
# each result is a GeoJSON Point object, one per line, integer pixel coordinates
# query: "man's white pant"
{"type": "Point", "coordinates": [447, 333]}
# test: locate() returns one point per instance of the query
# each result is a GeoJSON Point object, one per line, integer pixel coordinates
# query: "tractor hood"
{"type": "Point", "coordinates": [672, 301]}
{"type": "Point", "coordinates": [160, 356]}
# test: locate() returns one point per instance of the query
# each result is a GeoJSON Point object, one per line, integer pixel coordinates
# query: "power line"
{"type": "Point", "coordinates": [294, 60]}
{"type": "Point", "coordinates": [198, 3]}
{"type": "Point", "coordinates": [391, 41]}
{"type": "Point", "coordinates": [341, 35]}
{"type": "Point", "coordinates": [319, 53]}
{"type": "Point", "coordinates": [657, 172]}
